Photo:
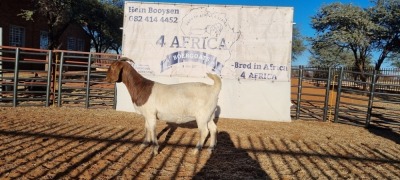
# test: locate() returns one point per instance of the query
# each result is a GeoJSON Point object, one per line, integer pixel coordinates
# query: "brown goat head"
{"type": "Point", "coordinates": [114, 72]}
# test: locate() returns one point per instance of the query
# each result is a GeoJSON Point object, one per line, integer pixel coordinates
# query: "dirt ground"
{"type": "Point", "coordinates": [78, 143]}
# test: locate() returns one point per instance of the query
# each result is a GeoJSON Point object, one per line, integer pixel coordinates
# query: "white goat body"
{"type": "Point", "coordinates": [177, 103]}
{"type": "Point", "coordinates": [189, 101]}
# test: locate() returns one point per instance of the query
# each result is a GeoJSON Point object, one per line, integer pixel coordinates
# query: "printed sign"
{"type": "Point", "coordinates": [248, 46]}
{"type": "Point", "coordinates": [251, 43]}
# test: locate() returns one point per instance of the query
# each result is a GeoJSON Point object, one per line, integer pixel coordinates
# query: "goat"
{"type": "Point", "coordinates": [174, 103]}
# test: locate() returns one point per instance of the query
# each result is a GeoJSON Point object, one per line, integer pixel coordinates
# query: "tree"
{"type": "Point", "coordinates": [298, 46]}
{"type": "Point", "coordinates": [59, 14]}
{"type": "Point", "coordinates": [114, 23]}
{"type": "Point", "coordinates": [386, 39]}
{"type": "Point", "coordinates": [364, 32]}
{"type": "Point", "coordinates": [102, 22]}
{"type": "Point", "coordinates": [331, 56]}
{"type": "Point", "coordinates": [345, 27]}
{"type": "Point", "coordinates": [395, 60]}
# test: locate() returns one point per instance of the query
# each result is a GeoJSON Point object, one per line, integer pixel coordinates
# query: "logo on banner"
{"type": "Point", "coordinates": [191, 56]}
{"type": "Point", "coordinates": [207, 34]}
{"type": "Point", "coordinates": [215, 26]}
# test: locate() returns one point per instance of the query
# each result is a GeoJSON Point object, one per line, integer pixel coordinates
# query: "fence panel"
{"type": "Point", "coordinates": [81, 80]}
{"type": "Point", "coordinates": [352, 100]}
{"type": "Point", "coordinates": [385, 111]}
{"type": "Point", "coordinates": [34, 77]}
{"type": "Point", "coordinates": [295, 92]}
{"type": "Point", "coordinates": [312, 94]}
{"type": "Point", "coordinates": [71, 78]}
{"type": "Point", "coordinates": [371, 98]}
{"type": "Point", "coordinates": [20, 83]}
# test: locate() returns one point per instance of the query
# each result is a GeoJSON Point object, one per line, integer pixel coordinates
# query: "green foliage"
{"type": "Point", "coordinates": [357, 31]}
{"type": "Point", "coordinates": [331, 56]}
{"type": "Point", "coordinates": [101, 20]}
{"type": "Point", "coordinates": [395, 60]}
{"type": "Point", "coordinates": [113, 29]}
{"type": "Point", "coordinates": [59, 14]}
{"type": "Point", "coordinates": [345, 26]}
{"type": "Point", "coordinates": [386, 14]}
{"type": "Point", "coordinates": [298, 46]}
{"type": "Point", "coordinates": [26, 14]}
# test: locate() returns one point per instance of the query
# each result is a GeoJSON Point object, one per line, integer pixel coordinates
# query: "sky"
{"type": "Point", "coordinates": [303, 11]}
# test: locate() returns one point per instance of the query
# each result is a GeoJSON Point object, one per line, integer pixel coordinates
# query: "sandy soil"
{"type": "Point", "coordinates": [78, 143]}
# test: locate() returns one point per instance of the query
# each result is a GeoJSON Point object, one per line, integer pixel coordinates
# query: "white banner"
{"type": "Point", "coordinates": [189, 40]}
{"type": "Point", "coordinates": [249, 46]}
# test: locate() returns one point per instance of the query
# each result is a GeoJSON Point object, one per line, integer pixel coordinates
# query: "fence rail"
{"type": "Point", "coordinates": [342, 95]}
{"type": "Point", "coordinates": [33, 77]}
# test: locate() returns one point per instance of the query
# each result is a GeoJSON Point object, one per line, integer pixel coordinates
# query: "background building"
{"type": "Point", "coordinates": [16, 31]}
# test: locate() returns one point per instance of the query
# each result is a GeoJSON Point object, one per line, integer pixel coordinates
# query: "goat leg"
{"type": "Point", "coordinates": [155, 148]}
{"type": "Point", "coordinates": [146, 142]}
{"type": "Point", "coordinates": [213, 134]}
{"type": "Point", "coordinates": [203, 135]}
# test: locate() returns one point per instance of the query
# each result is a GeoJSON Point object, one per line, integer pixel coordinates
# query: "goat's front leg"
{"type": "Point", "coordinates": [154, 140]}
{"type": "Point", "coordinates": [151, 136]}
{"type": "Point", "coordinates": [147, 139]}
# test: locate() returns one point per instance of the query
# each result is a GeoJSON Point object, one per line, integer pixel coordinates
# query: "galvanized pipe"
{"type": "Point", "coordinates": [326, 104]}
{"type": "Point", "coordinates": [299, 89]}
{"type": "Point", "coordinates": [16, 74]}
{"type": "Point", "coordinates": [371, 99]}
{"type": "Point", "coordinates": [60, 79]}
{"type": "Point", "coordinates": [88, 80]}
{"type": "Point", "coordinates": [49, 69]}
{"type": "Point", "coordinates": [339, 91]}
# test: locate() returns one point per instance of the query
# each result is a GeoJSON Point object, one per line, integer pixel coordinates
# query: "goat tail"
{"type": "Point", "coordinates": [217, 81]}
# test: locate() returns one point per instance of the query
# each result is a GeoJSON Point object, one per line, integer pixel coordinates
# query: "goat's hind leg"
{"type": "Point", "coordinates": [202, 126]}
{"type": "Point", "coordinates": [213, 134]}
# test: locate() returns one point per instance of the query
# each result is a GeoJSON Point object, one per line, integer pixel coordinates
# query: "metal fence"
{"type": "Point", "coordinates": [20, 84]}
{"type": "Point", "coordinates": [33, 77]}
{"type": "Point", "coordinates": [347, 96]}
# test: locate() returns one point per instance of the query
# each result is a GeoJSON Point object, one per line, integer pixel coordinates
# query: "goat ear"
{"type": "Point", "coordinates": [114, 71]}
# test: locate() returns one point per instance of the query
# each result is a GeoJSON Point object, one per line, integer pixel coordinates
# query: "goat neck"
{"type": "Point", "coordinates": [139, 87]}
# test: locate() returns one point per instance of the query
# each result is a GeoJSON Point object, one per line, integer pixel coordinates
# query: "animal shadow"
{"type": "Point", "coordinates": [229, 162]}
{"type": "Point", "coordinates": [385, 133]}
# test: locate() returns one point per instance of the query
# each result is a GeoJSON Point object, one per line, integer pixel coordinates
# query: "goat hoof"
{"type": "Point", "coordinates": [155, 150]}
{"type": "Point", "coordinates": [195, 151]}
{"type": "Point", "coordinates": [144, 145]}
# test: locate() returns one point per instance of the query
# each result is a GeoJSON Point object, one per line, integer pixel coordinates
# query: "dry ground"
{"type": "Point", "coordinates": [78, 143]}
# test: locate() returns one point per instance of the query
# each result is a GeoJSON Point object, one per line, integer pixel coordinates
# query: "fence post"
{"type": "Point", "coordinates": [16, 78]}
{"type": "Point", "coordinates": [328, 85]}
{"type": "Point", "coordinates": [60, 79]}
{"type": "Point", "coordinates": [339, 92]}
{"type": "Point", "coordinates": [371, 99]}
{"type": "Point", "coordinates": [299, 89]}
{"type": "Point", "coordinates": [88, 80]}
{"type": "Point", "coordinates": [49, 69]}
